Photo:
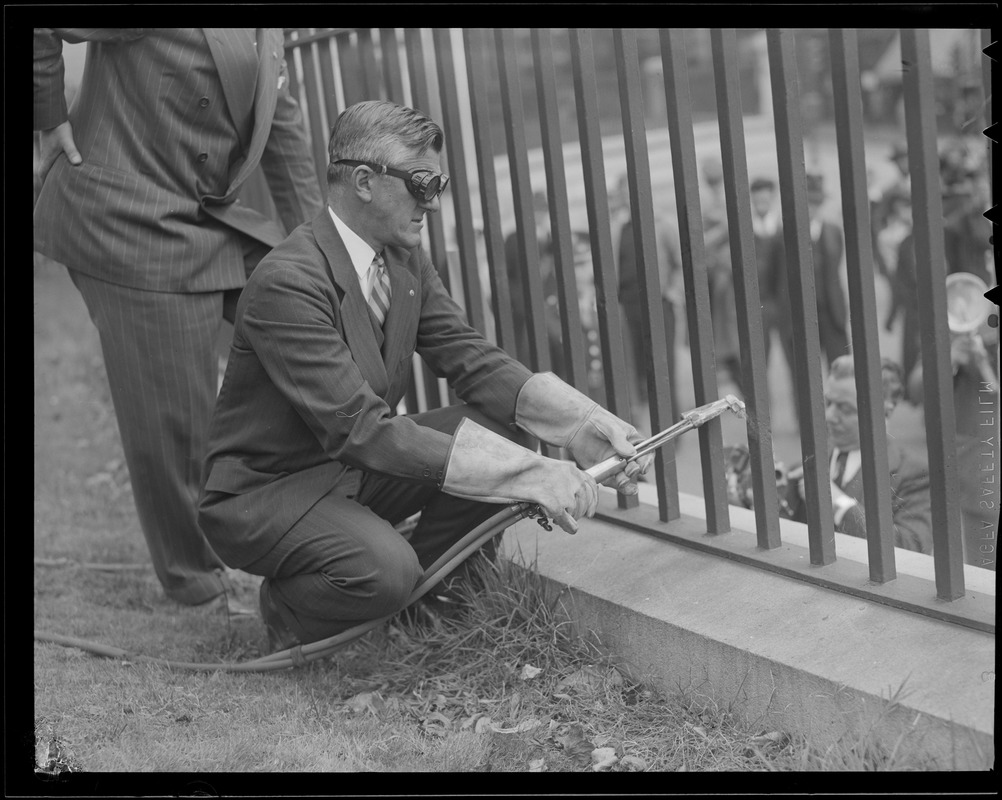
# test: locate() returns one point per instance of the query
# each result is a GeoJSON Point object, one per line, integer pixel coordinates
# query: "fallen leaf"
{"type": "Point", "coordinates": [537, 765]}
{"type": "Point", "coordinates": [469, 722]}
{"type": "Point", "coordinates": [436, 724]}
{"type": "Point", "coordinates": [603, 758]}
{"type": "Point", "coordinates": [584, 679]}
{"type": "Point", "coordinates": [575, 743]}
{"type": "Point", "coordinates": [772, 738]}
{"type": "Point", "coordinates": [525, 725]}
{"type": "Point", "coordinates": [589, 679]}
{"type": "Point", "coordinates": [633, 763]}
{"type": "Point", "coordinates": [698, 729]}
{"type": "Point", "coordinates": [483, 724]}
{"type": "Point", "coordinates": [529, 672]}
{"type": "Point", "coordinates": [365, 701]}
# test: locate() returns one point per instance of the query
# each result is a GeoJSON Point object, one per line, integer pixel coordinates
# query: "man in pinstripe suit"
{"type": "Point", "coordinates": [309, 468]}
{"type": "Point", "coordinates": [138, 200]}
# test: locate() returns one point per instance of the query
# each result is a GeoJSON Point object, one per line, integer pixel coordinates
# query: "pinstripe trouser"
{"type": "Point", "coordinates": [160, 355]}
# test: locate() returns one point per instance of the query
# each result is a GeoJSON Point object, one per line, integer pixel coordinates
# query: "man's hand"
{"type": "Point", "coordinates": [487, 467]}
{"type": "Point", "coordinates": [565, 492]}
{"type": "Point", "coordinates": [562, 416]}
{"type": "Point", "coordinates": [51, 144]}
{"type": "Point", "coordinates": [602, 435]}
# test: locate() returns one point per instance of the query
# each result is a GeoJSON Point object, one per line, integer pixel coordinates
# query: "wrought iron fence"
{"type": "Point", "coordinates": [475, 81]}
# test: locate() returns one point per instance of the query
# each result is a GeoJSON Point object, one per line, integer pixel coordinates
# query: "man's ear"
{"type": "Point", "coordinates": [362, 183]}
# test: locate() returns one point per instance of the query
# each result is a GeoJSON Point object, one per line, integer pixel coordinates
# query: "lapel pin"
{"type": "Point", "coordinates": [412, 292]}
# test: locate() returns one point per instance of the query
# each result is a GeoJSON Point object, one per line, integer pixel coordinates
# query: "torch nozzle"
{"type": "Point", "coordinates": [691, 419]}
{"type": "Point", "coordinates": [712, 410]}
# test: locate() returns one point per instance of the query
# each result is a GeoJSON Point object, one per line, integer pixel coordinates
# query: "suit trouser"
{"type": "Point", "coordinates": [160, 356]}
{"type": "Point", "coordinates": [344, 563]}
{"type": "Point", "coordinates": [636, 349]}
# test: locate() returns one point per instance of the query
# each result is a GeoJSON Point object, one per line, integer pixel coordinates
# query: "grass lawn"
{"type": "Point", "coordinates": [505, 688]}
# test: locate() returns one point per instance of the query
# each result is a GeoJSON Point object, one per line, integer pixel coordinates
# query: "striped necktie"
{"type": "Point", "coordinates": [379, 289]}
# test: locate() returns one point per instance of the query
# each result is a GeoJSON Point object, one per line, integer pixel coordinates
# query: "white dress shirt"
{"type": "Point", "coordinates": [853, 463]}
{"type": "Point", "coordinates": [359, 251]}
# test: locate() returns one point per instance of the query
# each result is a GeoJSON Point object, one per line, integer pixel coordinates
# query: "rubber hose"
{"type": "Point", "coordinates": [302, 654]}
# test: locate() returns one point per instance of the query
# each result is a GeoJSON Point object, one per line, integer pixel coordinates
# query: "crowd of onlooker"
{"type": "Point", "coordinates": [969, 264]}
{"type": "Point", "coordinates": [964, 182]}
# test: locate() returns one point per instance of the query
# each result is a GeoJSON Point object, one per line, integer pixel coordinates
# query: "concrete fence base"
{"type": "Point", "coordinates": [779, 652]}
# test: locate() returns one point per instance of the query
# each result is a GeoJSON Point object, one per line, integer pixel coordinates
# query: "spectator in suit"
{"type": "Point", "coordinates": [138, 186]}
{"type": "Point", "coordinates": [767, 225]}
{"type": "Point", "coordinates": [966, 245]}
{"type": "Point", "coordinates": [547, 273]}
{"type": "Point", "coordinates": [309, 468]}
{"type": "Point", "coordinates": [827, 250]}
{"type": "Point", "coordinates": [670, 275]}
{"type": "Point", "coordinates": [910, 500]}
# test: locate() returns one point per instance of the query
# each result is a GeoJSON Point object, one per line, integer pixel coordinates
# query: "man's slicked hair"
{"type": "Point", "coordinates": [891, 374]}
{"type": "Point", "coordinates": [379, 131]}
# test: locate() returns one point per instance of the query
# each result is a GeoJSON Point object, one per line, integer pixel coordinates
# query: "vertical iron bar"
{"type": "Point", "coordinates": [351, 79]}
{"type": "Point", "coordinates": [327, 78]}
{"type": "Point", "coordinates": [748, 304]}
{"type": "Point", "coordinates": [803, 301]}
{"type": "Point", "coordinates": [477, 50]}
{"type": "Point", "coordinates": [518, 159]}
{"type": "Point", "coordinates": [986, 92]}
{"type": "Point", "coordinates": [318, 136]}
{"type": "Point", "coordinates": [421, 99]}
{"type": "Point", "coordinates": [466, 239]}
{"type": "Point", "coordinates": [370, 68]}
{"type": "Point", "coordinates": [394, 78]}
{"type": "Point", "coordinates": [556, 184]}
{"type": "Point", "coordinates": [393, 73]}
{"type": "Point", "coordinates": [862, 304]}
{"type": "Point", "coordinates": [610, 325]}
{"type": "Point", "coordinates": [645, 245]}
{"type": "Point", "coordinates": [694, 271]}
{"type": "Point", "coordinates": [930, 270]}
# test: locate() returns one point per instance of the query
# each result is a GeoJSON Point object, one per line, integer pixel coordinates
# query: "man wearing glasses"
{"type": "Point", "coordinates": [309, 468]}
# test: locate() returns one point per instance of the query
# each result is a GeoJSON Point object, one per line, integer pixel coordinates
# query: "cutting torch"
{"type": "Point", "coordinates": [690, 420]}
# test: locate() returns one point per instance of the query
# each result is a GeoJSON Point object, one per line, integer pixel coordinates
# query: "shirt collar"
{"type": "Point", "coordinates": [359, 251]}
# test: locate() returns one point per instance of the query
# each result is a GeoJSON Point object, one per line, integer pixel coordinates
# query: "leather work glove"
{"type": "Point", "coordinates": [485, 466]}
{"type": "Point", "coordinates": [562, 416]}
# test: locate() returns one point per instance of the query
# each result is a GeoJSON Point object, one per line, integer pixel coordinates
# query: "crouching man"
{"type": "Point", "coordinates": [309, 468]}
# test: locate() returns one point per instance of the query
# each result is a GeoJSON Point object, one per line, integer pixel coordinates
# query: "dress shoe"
{"type": "Point", "coordinates": [279, 635]}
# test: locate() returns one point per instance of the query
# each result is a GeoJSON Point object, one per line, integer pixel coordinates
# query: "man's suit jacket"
{"type": "Point", "coordinates": [170, 123]}
{"type": "Point", "coordinates": [910, 501]}
{"type": "Point", "coordinates": [308, 398]}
